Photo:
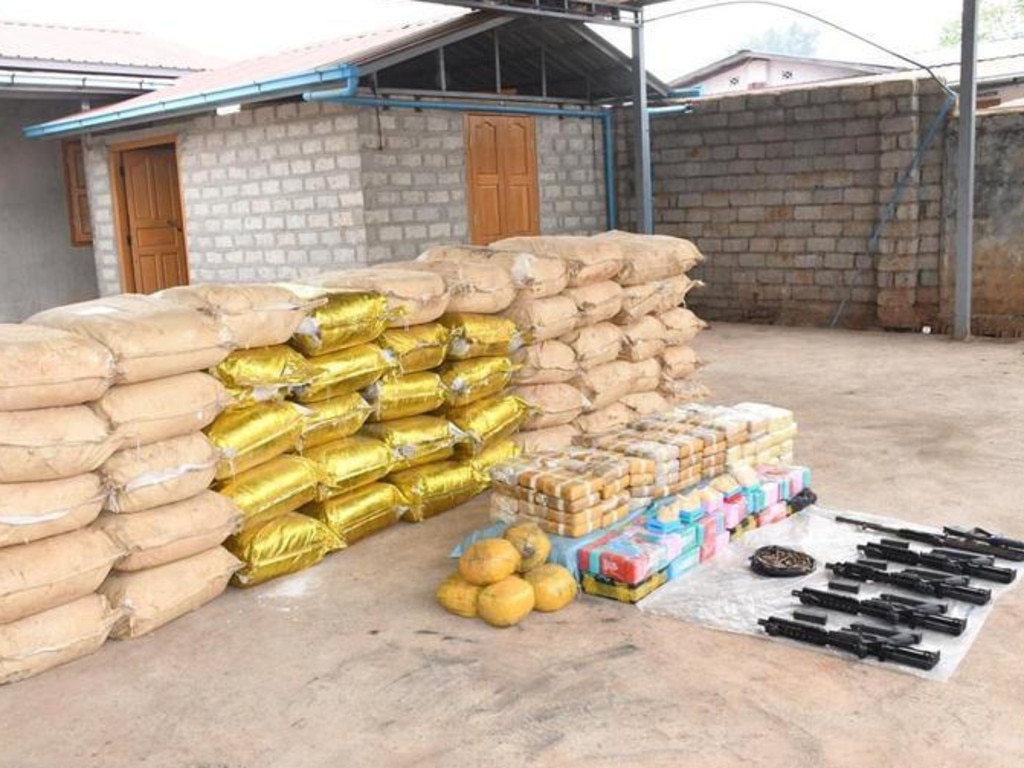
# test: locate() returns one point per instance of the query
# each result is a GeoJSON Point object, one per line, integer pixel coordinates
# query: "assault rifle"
{"type": "Point", "coordinates": [975, 541]}
{"type": "Point", "coordinates": [914, 580]}
{"type": "Point", "coordinates": [862, 640]}
{"type": "Point", "coordinates": [891, 608]}
{"type": "Point", "coordinates": [945, 560]}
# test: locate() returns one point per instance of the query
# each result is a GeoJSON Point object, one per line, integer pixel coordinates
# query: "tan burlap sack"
{"type": "Point", "coordinates": [38, 576]}
{"type": "Point", "coordinates": [543, 319]}
{"type": "Point", "coordinates": [587, 260]}
{"type": "Point", "coordinates": [46, 640]}
{"type": "Point", "coordinates": [153, 597]}
{"type": "Point", "coordinates": [550, 439]}
{"type": "Point", "coordinates": [160, 473]}
{"type": "Point", "coordinates": [173, 532]}
{"type": "Point", "coordinates": [595, 345]}
{"type": "Point", "coordinates": [51, 443]}
{"type": "Point", "coordinates": [414, 297]}
{"type": "Point", "coordinates": [615, 416]}
{"type": "Point", "coordinates": [647, 258]}
{"type": "Point", "coordinates": [149, 337]}
{"type": "Point", "coordinates": [674, 292]}
{"type": "Point", "coordinates": [476, 287]}
{"type": "Point", "coordinates": [46, 368]}
{"type": "Point", "coordinates": [554, 404]}
{"type": "Point", "coordinates": [532, 275]}
{"type": "Point", "coordinates": [254, 314]}
{"type": "Point", "coordinates": [679, 362]}
{"type": "Point", "coordinates": [645, 403]}
{"type": "Point", "coordinates": [683, 391]}
{"type": "Point", "coordinates": [549, 362]}
{"type": "Point", "coordinates": [157, 410]}
{"type": "Point", "coordinates": [641, 300]}
{"type": "Point", "coordinates": [597, 302]}
{"type": "Point", "coordinates": [604, 384]}
{"type": "Point", "coordinates": [646, 375]}
{"type": "Point", "coordinates": [682, 326]}
{"type": "Point", "coordinates": [33, 511]}
{"type": "Point", "coordinates": [643, 339]}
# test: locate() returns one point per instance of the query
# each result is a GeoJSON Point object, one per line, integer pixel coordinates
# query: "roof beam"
{"type": "Point", "coordinates": [618, 14]}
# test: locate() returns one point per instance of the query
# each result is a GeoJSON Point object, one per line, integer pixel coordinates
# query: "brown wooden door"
{"type": "Point", "coordinates": [156, 235]}
{"type": "Point", "coordinates": [501, 162]}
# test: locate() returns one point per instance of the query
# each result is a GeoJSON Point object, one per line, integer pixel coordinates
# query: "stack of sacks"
{"type": "Point", "coordinates": [158, 511]}
{"type": "Point", "coordinates": [52, 556]}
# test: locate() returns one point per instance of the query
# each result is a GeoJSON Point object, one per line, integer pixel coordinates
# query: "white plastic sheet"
{"type": "Point", "coordinates": [725, 594]}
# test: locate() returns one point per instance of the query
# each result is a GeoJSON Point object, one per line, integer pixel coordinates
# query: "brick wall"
{"type": "Point", "coordinates": [782, 192]}
{"type": "Point", "coordinates": [570, 170]}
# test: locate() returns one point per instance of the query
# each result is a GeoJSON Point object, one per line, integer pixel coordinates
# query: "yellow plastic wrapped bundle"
{"type": "Point", "coordinates": [356, 515]}
{"type": "Point", "coordinates": [347, 464]}
{"type": "Point", "coordinates": [396, 397]}
{"type": "Point", "coordinates": [281, 485]}
{"type": "Point", "coordinates": [287, 544]}
{"type": "Point", "coordinates": [264, 367]}
{"type": "Point", "coordinates": [248, 437]}
{"type": "Point", "coordinates": [416, 440]}
{"type": "Point", "coordinates": [435, 488]}
{"type": "Point", "coordinates": [496, 453]}
{"type": "Point", "coordinates": [467, 381]}
{"type": "Point", "coordinates": [345, 320]}
{"type": "Point", "coordinates": [418, 348]}
{"type": "Point", "coordinates": [487, 421]}
{"type": "Point", "coordinates": [480, 335]}
{"type": "Point", "coordinates": [340, 373]}
{"type": "Point", "coordinates": [329, 420]}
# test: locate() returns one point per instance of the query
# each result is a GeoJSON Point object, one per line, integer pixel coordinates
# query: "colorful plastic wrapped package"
{"type": "Point", "coordinates": [349, 370]}
{"type": "Point", "coordinates": [263, 374]}
{"type": "Point", "coordinates": [435, 488]}
{"type": "Point", "coordinates": [467, 381]}
{"type": "Point", "coordinates": [487, 421]}
{"type": "Point", "coordinates": [354, 516]}
{"type": "Point", "coordinates": [632, 555]}
{"type": "Point", "coordinates": [569, 475]}
{"type": "Point", "coordinates": [287, 544]}
{"type": "Point", "coordinates": [397, 397]}
{"type": "Point", "coordinates": [281, 485]}
{"type": "Point", "coordinates": [328, 420]}
{"type": "Point", "coordinates": [624, 593]}
{"type": "Point", "coordinates": [419, 348]}
{"type": "Point", "coordinates": [345, 320]}
{"type": "Point", "coordinates": [481, 335]}
{"type": "Point", "coordinates": [248, 437]}
{"type": "Point", "coordinates": [415, 440]}
{"type": "Point", "coordinates": [347, 464]}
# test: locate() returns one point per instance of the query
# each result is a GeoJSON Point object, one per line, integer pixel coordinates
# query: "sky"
{"type": "Point", "coordinates": [675, 46]}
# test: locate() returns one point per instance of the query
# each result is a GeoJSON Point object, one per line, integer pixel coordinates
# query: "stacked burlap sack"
{"type": "Point", "coordinates": [609, 339]}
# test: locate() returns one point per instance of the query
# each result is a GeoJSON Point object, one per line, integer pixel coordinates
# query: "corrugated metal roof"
{"type": "Point", "coordinates": [51, 46]}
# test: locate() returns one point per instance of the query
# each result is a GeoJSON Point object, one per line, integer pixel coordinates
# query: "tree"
{"type": "Point", "coordinates": [794, 40]}
{"type": "Point", "coordinates": [1003, 20]}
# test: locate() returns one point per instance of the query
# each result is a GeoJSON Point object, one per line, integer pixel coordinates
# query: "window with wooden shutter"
{"type": "Point", "coordinates": [78, 198]}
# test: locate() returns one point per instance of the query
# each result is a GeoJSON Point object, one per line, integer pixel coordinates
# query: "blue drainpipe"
{"type": "Point", "coordinates": [344, 96]}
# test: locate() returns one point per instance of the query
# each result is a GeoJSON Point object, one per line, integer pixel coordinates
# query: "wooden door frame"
{"type": "Point", "coordinates": [119, 195]}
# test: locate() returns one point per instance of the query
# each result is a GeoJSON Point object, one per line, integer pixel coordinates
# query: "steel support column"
{"type": "Point", "coordinates": [964, 277]}
{"type": "Point", "coordinates": [642, 135]}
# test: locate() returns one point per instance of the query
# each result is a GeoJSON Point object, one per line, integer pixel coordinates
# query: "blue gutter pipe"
{"type": "Point", "coordinates": [278, 86]}
{"type": "Point", "coordinates": [342, 96]}
{"type": "Point", "coordinates": [673, 109]}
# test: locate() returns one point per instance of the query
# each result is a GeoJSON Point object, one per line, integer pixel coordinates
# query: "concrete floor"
{"type": "Point", "coordinates": [352, 664]}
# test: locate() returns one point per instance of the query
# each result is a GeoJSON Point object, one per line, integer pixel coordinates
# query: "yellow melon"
{"type": "Point", "coordinates": [458, 596]}
{"type": "Point", "coordinates": [506, 603]}
{"type": "Point", "coordinates": [553, 587]}
{"type": "Point", "coordinates": [533, 544]}
{"type": "Point", "coordinates": [488, 561]}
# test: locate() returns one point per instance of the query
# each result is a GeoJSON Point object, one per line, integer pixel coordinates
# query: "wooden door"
{"type": "Point", "coordinates": [501, 164]}
{"type": "Point", "coordinates": [156, 235]}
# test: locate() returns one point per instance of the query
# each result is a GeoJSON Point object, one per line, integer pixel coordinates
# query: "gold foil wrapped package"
{"type": "Point", "coordinates": [340, 373]}
{"type": "Point", "coordinates": [248, 437]}
{"type": "Point", "coordinates": [435, 488]}
{"type": "Point", "coordinates": [468, 381]}
{"type": "Point", "coordinates": [397, 397]}
{"type": "Point", "coordinates": [329, 420]}
{"type": "Point", "coordinates": [356, 515]}
{"type": "Point", "coordinates": [345, 320]}
{"type": "Point", "coordinates": [281, 485]}
{"type": "Point", "coordinates": [496, 453]}
{"type": "Point", "coordinates": [481, 335]}
{"type": "Point", "coordinates": [264, 366]}
{"type": "Point", "coordinates": [418, 348]}
{"type": "Point", "coordinates": [487, 421]}
{"type": "Point", "coordinates": [345, 465]}
{"type": "Point", "coordinates": [287, 544]}
{"type": "Point", "coordinates": [416, 440]}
